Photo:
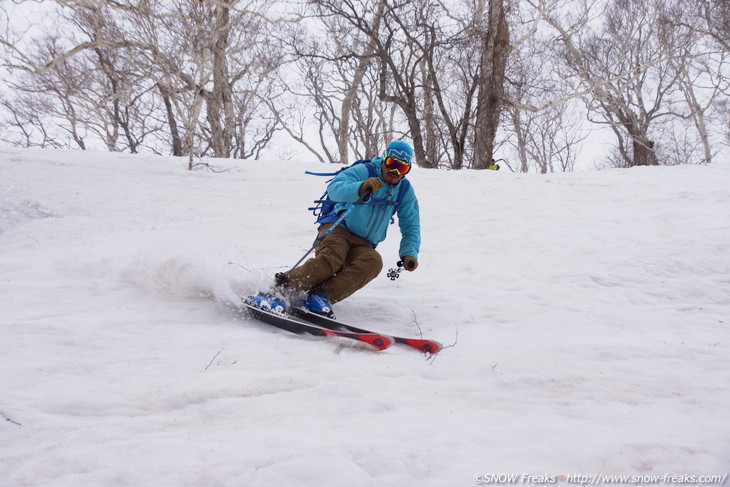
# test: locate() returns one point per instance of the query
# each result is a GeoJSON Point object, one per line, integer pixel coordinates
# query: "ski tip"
{"type": "Point", "coordinates": [426, 346]}
{"type": "Point", "coordinates": [432, 347]}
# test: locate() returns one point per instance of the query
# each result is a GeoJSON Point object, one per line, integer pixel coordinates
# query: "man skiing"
{"type": "Point", "coordinates": [346, 259]}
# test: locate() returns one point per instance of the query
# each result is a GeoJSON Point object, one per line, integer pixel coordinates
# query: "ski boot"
{"type": "Point", "coordinates": [316, 303]}
{"type": "Point", "coordinates": [268, 302]}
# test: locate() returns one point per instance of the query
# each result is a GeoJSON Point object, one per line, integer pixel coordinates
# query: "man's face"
{"type": "Point", "coordinates": [391, 177]}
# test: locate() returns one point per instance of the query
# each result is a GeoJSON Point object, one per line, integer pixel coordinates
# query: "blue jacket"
{"type": "Point", "coordinates": [371, 221]}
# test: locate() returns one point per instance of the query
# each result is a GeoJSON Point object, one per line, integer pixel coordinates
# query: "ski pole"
{"type": "Point", "coordinates": [394, 274]}
{"type": "Point", "coordinates": [320, 238]}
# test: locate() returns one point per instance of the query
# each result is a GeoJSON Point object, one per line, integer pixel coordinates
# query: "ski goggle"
{"type": "Point", "coordinates": [397, 166]}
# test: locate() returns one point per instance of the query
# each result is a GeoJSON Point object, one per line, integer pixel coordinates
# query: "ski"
{"type": "Point", "coordinates": [298, 326]}
{"type": "Point", "coordinates": [428, 346]}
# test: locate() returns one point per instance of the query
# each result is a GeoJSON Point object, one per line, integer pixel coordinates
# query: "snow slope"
{"type": "Point", "coordinates": [588, 313]}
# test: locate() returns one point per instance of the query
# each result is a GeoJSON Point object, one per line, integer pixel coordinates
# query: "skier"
{"type": "Point", "coordinates": [346, 259]}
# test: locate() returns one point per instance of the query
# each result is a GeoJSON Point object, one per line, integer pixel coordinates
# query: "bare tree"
{"type": "Point", "coordinates": [424, 61]}
{"type": "Point", "coordinates": [349, 75]}
{"type": "Point", "coordinates": [122, 70]}
{"type": "Point", "coordinates": [91, 95]}
{"type": "Point", "coordinates": [399, 67]}
{"type": "Point", "coordinates": [335, 75]}
{"type": "Point", "coordinates": [363, 63]}
{"type": "Point", "coordinates": [493, 61]}
{"type": "Point", "coordinates": [451, 83]}
{"type": "Point", "coordinates": [208, 77]}
{"type": "Point", "coordinates": [701, 58]}
{"type": "Point", "coordinates": [624, 70]}
{"type": "Point", "coordinates": [716, 16]}
{"type": "Point", "coordinates": [546, 139]}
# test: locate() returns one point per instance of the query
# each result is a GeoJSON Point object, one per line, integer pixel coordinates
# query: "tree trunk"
{"type": "Point", "coordinates": [490, 98]}
{"type": "Point", "coordinates": [698, 115]}
{"type": "Point", "coordinates": [429, 117]}
{"type": "Point", "coordinates": [343, 134]}
{"type": "Point", "coordinates": [219, 100]}
{"type": "Point", "coordinates": [643, 148]}
{"type": "Point", "coordinates": [177, 145]}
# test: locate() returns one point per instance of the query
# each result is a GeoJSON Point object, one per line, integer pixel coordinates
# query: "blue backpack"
{"type": "Point", "coordinates": [324, 208]}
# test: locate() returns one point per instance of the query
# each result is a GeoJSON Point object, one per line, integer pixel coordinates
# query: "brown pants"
{"type": "Point", "coordinates": [343, 263]}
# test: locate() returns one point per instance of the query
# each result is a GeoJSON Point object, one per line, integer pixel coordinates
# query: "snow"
{"type": "Point", "coordinates": [587, 316]}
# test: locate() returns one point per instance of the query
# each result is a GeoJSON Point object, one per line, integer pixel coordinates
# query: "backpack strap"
{"type": "Point", "coordinates": [371, 168]}
{"type": "Point", "coordinates": [324, 206]}
{"type": "Point", "coordinates": [405, 185]}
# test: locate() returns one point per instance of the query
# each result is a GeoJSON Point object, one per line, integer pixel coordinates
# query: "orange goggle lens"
{"type": "Point", "coordinates": [396, 165]}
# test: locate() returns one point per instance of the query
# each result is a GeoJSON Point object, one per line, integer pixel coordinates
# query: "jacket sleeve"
{"type": "Point", "coordinates": [343, 188]}
{"type": "Point", "coordinates": [409, 221]}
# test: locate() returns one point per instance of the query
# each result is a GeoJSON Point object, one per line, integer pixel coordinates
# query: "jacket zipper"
{"type": "Point", "coordinates": [378, 216]}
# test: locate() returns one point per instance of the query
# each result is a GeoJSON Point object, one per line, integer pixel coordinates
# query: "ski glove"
{"type": "Point", "coordinates": [410, 263]}
{"type": "Point", "coordinates": [373, 183]}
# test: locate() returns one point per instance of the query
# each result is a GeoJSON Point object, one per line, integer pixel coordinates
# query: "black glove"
{"type": "Point", "coordinates": [409, 263]}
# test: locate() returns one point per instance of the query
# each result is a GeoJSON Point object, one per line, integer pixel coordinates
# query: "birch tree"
{"type": "Point", "coordinates": [622, 66]}
{"type": "Point", "coordinates": [168, 75]}
{"type": "Point", "coordinates": [336, 76]}
{"type": "Point", "coordinates": [700, 42]}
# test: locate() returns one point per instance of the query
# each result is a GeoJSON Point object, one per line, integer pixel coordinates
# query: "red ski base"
{"type": "Point", "coordinates": [427, 346]}
{"type": "Point", "coordinates": [298, 326]}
